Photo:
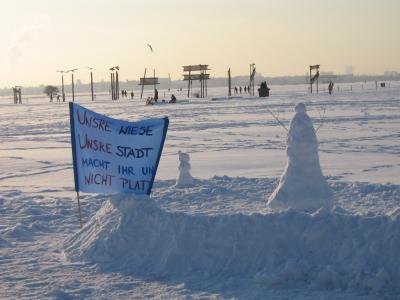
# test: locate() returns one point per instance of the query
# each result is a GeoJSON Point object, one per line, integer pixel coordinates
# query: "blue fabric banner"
{"type": "Point", "coordinates": [115, 156]}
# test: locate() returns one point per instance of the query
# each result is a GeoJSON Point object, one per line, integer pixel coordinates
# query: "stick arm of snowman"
{"type": "Point", "coordinates": [322, 119]}
{"type": "Point", "coordinates": [276, 118]}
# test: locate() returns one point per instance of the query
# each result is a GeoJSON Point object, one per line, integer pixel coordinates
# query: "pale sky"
{"type": "Point", "coordinates": [282, 37]}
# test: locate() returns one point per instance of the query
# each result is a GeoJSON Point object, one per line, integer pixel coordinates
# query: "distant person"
{"type": "Point", "coordinates": [155, 95]}
{"type": "Point", "coordinates": [173, 99]}
{"type": "Point", "coordinates": [51, 97]}
{"type": "Point", "coordinates": [58, 98]}
{"type": "Point", "coordinates": [245, 89]}
{"type": "Point", "coordinates": [248, 89]}
{"type": "Point", "coordinates": [240, 89]}
{"type": "Point", "coordinates": [149, 101]}
{"type": "Point", "coordinates": [330, 87]}
{"type": "Point", "coordinates": [236, 90]}
{"type": "Point", "coordinates": [132, 95]}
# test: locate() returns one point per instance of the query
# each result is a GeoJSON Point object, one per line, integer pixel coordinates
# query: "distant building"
{"type": "Point", "coordinates": [391, 73]}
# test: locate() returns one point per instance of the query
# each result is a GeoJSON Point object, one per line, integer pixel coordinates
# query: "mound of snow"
{"type": "Point", "coordinates": [4, 243]}
{"type": "Point", "coordinates": [20, 231]}
{"type": "Point", "coordinates": [326, 249]}
{"type": "Point", "coordinates": [302, 185]}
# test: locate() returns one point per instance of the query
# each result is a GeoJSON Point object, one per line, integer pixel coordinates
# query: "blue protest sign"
{"type": "Point", "coordinates": [115, 156]}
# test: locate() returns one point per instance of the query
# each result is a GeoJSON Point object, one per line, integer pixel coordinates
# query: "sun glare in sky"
{"type": "Point", "coordinates": [282, 37]}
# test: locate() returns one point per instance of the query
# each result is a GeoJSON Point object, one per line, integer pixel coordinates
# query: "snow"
{"type": "Point", "coordinates": [216, 239]}
{"type": "Point", "coordinates": [323, 250]}
{"type": "Point", "coordinates": [302, 185]}
{"type": "Point", "coordinates": [184, 179]}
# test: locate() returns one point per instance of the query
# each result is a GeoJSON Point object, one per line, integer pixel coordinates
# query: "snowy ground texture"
{"type": "Point", "coordinates": [216, 239]}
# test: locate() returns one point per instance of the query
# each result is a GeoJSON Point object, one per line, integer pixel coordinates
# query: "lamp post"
{"type": "Point", "coordinates": [112, 83]}
{"type": "Point", "coordinates": [91, 81]}
{"type": "Point", "coordinates": [62, 84]}
{"type": "Point", "coordinates": [72, 83]}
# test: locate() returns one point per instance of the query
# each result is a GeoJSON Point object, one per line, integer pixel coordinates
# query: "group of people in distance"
{"type": "Point", "coordinates": [58, 97]}
{"type": "Point", "coordinates": [124, 93]}
{"type": "Point", "coordinates": [239, 90]}
{"type": "Point", "coordinates": [151, 100]}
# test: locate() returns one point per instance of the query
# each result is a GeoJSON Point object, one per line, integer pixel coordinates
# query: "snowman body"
{"type": "Point", "coordinates": [302, 185]}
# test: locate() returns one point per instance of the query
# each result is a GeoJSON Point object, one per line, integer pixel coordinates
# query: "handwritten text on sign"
{"type": "Point", "coordinates": [112, 156]}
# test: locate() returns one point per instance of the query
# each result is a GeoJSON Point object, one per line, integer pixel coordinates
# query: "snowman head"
{"type": "Point", "coordinates": [300, 108]}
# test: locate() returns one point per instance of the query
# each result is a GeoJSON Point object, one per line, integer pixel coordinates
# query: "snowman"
{"type": "Point", "coordinates": [302, 185]}
{"type": "Point", "coordinates": [184, 178]}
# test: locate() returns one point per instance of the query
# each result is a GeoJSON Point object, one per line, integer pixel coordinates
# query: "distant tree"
{"type": "Point", "coordinates": [50, 90]}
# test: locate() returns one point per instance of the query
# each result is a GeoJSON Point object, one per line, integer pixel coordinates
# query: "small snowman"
{"type": "Point", "coordinates": [302, 185]}
{"type": "Point", "coordinates": [184, 178]}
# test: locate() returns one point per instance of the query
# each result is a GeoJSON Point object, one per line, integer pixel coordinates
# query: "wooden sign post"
{"type": "Point", "coordinates": [148, 81]}
{"type": "Point", "coordinates": [229, 83]}
{"type": "Point", "coordinates": [203, 76]}
{"type": "Point", "coordinates": [315, 77]}
{"type": "Point", "coordinates": [252, 75]}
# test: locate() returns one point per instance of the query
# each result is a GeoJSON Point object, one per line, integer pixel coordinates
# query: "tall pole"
{"type": "Point", "coordinates": [250, 80]}
{"type": "Point", "coordinates": [252, 73]}
{"type": "Point", "coordinates": [62, 86]}
{"type": "Point", "coordinates": [15, 95]}
{"type": "Point", "coordinates": [116, 86]}
{"type": "Point", "coordinates": [201, 84]}
{"type": "Point", "coordinates": [91, 84]}
{"type": "Point", "coordinates": [253, 80]}
{"type": "Point", "coordinates": [73, 88]}
{"type": "Point", "coordinates": [204, 80]}
{"type": "Point", "coordinates": [154, 81]}
{"type": "Point", "coordinates": [79, 209]}
{"type": "Point", "coordinates": [62, 83]}
{"type": "Point", "coordinates": [144, 79]}
{"type": "Point", "coordinates": [206, 87]}
{"type": "Point", "coordinates": [229, 82]}
{"type": "Point", "coordinates": [112, 85]}
{"type": "Point", "coordinates": [310, 80]}
{"type": "Point", "coordinates": [189, 83]}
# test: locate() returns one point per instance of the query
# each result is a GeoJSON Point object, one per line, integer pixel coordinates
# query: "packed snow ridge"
{"type": "Point", "coordinates": [322, 250]}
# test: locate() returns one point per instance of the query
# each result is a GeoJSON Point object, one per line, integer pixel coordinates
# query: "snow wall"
{"type": "Point", "coordinates": [323, 250]}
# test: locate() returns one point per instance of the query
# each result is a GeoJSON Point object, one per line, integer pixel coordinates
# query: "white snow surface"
{"type": "Point", "coordinates": [216, 239]}
{"type": "Point", "coordinates": [302, 185]}
{"type": "Point", "coordinates": [323, 250]}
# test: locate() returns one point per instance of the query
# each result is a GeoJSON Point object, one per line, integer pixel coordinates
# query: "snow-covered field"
{"type": "Point", "coordinates": [216, 239]}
